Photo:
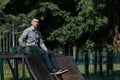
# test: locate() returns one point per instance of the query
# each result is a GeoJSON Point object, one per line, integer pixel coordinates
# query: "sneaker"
{"type": "Point", "coordinates": [53, 71]}
{"type": "Point", "coordinates": [61, 71]}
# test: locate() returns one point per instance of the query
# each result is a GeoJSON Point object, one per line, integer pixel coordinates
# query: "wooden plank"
{"type": "Point", "coordinates": [3, 56]}
{"type": "Point", "coordinates": [73, 71]}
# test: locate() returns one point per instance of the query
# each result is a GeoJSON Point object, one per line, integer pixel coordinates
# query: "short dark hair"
{"type": "Point", "coordinates": [35, 17]}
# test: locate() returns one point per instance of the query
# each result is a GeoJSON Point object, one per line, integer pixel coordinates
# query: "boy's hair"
{"type": "Point", "coordinates": [35, 17]}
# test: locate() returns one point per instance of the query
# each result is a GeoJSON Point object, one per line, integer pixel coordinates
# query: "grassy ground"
{"type": "Point", "coordinates": [8, 74]}
{"type": "Point", "coordinates": [92, 76]}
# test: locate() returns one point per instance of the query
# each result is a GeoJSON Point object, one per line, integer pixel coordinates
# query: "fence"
{"type": "Point", "coordinates": [108, 69]}
{"type": "Point", "coordinates": [8, 40]}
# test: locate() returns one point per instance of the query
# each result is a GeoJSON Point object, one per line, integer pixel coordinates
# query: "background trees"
{"type": "Point", "coordinates": [76, 26]}
{"type": "Point", "coordinates": [65, 23]}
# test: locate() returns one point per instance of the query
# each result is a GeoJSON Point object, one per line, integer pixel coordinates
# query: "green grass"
{"type": "Point", "coordinates": [8, 74]}
{"type": "Point", "coordinates": [92, 76]}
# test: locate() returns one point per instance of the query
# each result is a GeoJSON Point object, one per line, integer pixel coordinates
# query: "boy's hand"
{"type": "Point", "coordinates": [23, 45]}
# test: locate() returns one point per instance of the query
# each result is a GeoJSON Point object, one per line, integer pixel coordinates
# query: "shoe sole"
{"type": "Point", "coordinates": [61, 72]}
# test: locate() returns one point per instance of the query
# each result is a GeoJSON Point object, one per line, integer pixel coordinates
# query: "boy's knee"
{"type": "Point", "coordinates": [51, 52]}
{"type": "Point", "coordinates": [43, 51]}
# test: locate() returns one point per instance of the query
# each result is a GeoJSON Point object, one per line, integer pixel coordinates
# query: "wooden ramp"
{"type": "Point", "coordinates": [38, 70]}
{"type": "Point", "coordinates": [73, 71]}
{"type": "Point", "coordinates": [36, 67]}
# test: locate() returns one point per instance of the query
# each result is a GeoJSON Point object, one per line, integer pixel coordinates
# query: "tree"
{"type": "Point", "coordinates": [3, 4]}
{"type": "Point", "coordinates": [87, 21]}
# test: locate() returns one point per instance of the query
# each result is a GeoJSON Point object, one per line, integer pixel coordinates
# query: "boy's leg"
{"type": "Point", "coordinates": [46, 59]}
{"type": "Point", "coordinates": [55, 64]}
{"type": "Point", "coordinates": [53, 60]}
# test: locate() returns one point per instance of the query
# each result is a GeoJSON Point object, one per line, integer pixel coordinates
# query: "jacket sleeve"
{"type": "Point", "coordinates": [42, 45]}
{"type": "Point", "coordinates": [22, 37]}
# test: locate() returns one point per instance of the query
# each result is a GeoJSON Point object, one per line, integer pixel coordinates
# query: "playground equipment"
{"type": "Point", "coordinates": [36, 66]}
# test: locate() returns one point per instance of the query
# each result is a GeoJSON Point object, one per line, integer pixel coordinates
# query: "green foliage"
{"type": "Point", "coordinates": [3, 4]}
{"type": "Point", "coordinates": [48, 8]}
{"type": "Point", "coordinates": [64, 27]}
{"type": "Point", "coordinates": [18, 22]}
{"type": "Point", "coordinates": [88, 20]}
{"type": "Point", "coordinates": [88, 46]}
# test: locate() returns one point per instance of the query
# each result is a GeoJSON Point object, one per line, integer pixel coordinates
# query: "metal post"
{"type": "Point", "coordinates": [74, 52]}
{"type": "Point", "coordinates": [1, 61]}
{"type": "Point", "coordinates": [15, 61]}
{"type": "Point", "coordinates": [3, 36]}
{"type": "Point", "coordinates": [86, 64]}
{"type": "Point", "coordinates": [0, 41]}
{"type": "Point", "coordinates": [13, 35]}
{"type": "Point", "coordinates": [1, 68]}
{"type": "Point", "coordinates": [23, 67]}
{"type": "Point", "coordinates": [13, 41]}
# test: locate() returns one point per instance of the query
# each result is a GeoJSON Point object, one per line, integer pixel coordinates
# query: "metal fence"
{"type": "Point", "coordinates": [8, 40]}
{"type": "Point", "coordinates": [108, 69]}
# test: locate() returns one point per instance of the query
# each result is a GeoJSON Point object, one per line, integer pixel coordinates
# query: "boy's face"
{"type": "Point", "coordinates": [35, 23]}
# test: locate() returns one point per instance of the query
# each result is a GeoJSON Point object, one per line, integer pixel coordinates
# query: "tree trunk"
{"type": "Point", "coordinates": [109, 66]}
{"type": "Point", "coordinates": [77, 52]}
{"type": "Point", "coordinates": [86, 64]}
{"type": "Point", "coordinates": [74, 52]}
{"type": "Point", "coordinates": [100, 64]}
{"type": "Point", "coordinates": [95, 63]}
{"type": "Point", "coordinates": [66, 50]}
{"type": "Point", "coordinates": [71, 50]}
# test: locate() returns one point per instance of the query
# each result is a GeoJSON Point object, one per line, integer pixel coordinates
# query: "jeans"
{"type": "Point", "coordinates": [49, 58]}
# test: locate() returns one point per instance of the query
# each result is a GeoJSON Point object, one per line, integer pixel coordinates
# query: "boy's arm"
{"type": "Point", "coordinates": [42, 45]}
{"type": "Point", "coordinates": [22, 38]}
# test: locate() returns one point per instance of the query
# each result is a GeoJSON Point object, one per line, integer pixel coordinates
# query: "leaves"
{"type": "Point", "coordinates": [3, 4]}
{"type": "Point", "coordinates": [87, 21]}
{"type": "Point", "coordinates": [61, 25]}
{"type": "Point", "coordinates": [88, 46]}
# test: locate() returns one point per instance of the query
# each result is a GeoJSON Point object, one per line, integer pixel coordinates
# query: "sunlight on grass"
{"type": "Point", "coordinates": [81, 67]}
{"type": "Point", "coordinates": [116, 69]}
{"type": "Point", "coordinates": [8, 74]}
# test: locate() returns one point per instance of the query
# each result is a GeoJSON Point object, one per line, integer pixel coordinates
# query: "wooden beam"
{"type": "Point", "coordinates": [11, 56]}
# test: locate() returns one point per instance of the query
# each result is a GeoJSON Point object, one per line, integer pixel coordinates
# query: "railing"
{"type": "Point", "coordinates": [13, 72]}
{"type": "Point", "coordinates": [106, 68]}
{"type": "Point", "coordinates": [8, 40]}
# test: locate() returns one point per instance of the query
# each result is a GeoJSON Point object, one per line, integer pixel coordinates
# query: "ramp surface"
{"type": "Point", "coordinates": [70, 64]}
{"type": "Point", "coordinates": [37, 69]}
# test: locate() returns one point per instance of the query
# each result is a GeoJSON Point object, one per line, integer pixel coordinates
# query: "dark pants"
{"type": "Point", "coordinates": [49, 58]}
